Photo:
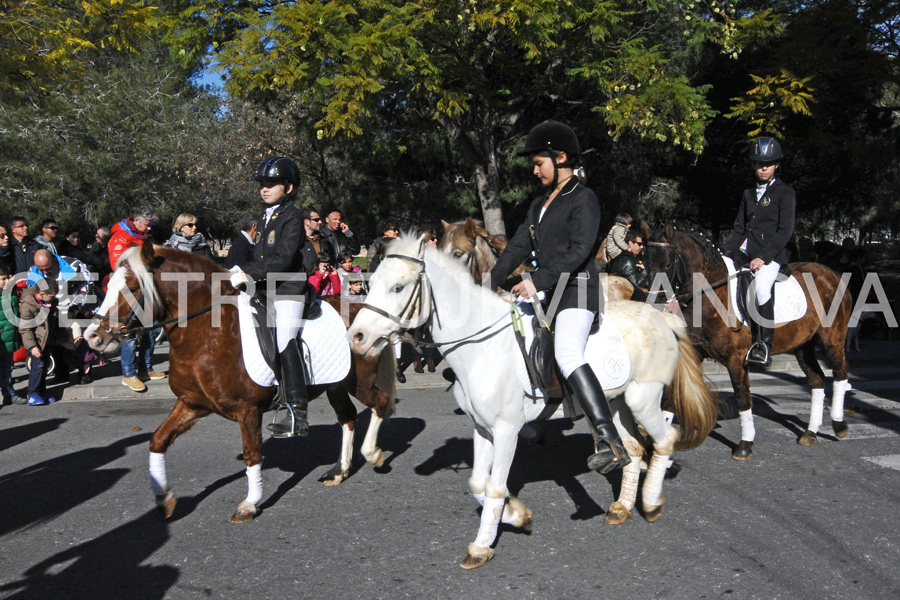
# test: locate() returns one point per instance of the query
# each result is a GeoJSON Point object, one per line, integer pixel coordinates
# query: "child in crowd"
{"type": "Point", "coordinates": [325, 280]}
{"type": "Point", "coordinates": [9, 335]}
{"type": "Point", "coordinates": [37, 324]}
{"type": "Point", "coordinates": [354, 290]}
{"type": "Point", "coordinates": [345, 267]}
{"type": "Point", "coordinates": [615, 240]}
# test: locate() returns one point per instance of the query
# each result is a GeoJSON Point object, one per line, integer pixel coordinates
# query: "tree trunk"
{"type": "Point", "coordinates": [484, 161]}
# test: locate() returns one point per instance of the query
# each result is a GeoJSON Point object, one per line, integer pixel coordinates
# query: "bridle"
{"type": "Point", "coordinates": [125, 330]}
{"type": "Point", "coordinates": [427, 310]}
{"type": "Point", "coordinates": [679, 275]}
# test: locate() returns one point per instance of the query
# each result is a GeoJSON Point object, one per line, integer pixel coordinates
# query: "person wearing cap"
{"type": "Point", "coordinates": [279, 260]}
{"type": "Point", "coordinates": [759, 240]}
{"type": "Point", "coordinates": [561, 234]}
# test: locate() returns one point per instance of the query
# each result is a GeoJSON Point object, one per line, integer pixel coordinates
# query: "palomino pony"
{"type": "Point", "coordinates": [207, 371]}
{"type": "Point", "coordinates": [679, 254]}
{"type": "Point", "coordinates": [418, 285]}
{"type": "Point", "coordinates": [469, 242]}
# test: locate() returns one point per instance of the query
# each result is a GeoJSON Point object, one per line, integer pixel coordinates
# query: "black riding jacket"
{"type": "Point", "coordinates": [567, 239]}
{"type": "Point", "coordinates": [767, 225]}
{"type": "Point", "coordinates": [279, 249]}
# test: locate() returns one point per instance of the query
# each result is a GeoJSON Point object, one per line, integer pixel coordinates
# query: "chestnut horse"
{"type": "Point", "coordinates": [680, 254]}
{"type": "Point", "coordinates": [469, 242]}
{"type": "Point", "coordinates": [206, 366]}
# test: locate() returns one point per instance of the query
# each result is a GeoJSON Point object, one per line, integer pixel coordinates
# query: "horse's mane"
{"type": "Point", "coordinates": [131, 259]}
{"type": "Point", "coordinates": [709, 249]}
{"type": "Point", "coordinates": [186, 262]}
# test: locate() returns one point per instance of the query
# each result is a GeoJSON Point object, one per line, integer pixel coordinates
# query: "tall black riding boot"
{"type": "Point", "coordinates": [761, 351]}
{"type": "Point", "coordinates": [609, 452]}
{"type": "Point", "coordinates": [293, 385]}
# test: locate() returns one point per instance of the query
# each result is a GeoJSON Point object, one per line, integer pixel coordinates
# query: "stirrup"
{"type": "Point", "coordinates": [299, 426]}
{"type": "Point", "coordinates": [759, 354]}
{"type": "Point", "coordinates": [608, 456]}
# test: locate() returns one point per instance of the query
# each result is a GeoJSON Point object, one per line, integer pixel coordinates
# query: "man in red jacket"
{"type": "Point", "coordinates": [134, 231]}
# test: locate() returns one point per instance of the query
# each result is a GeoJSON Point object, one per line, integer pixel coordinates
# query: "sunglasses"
{"type": "Point", "coordinates": [317, 220]}
{"type": "Point", "coordinates": [190, 225]}
{"type": "Point", "coordinates": [433, 238]}
{"type": "Point", "coordinates": [3, 236]}
{"type": "Point", "coordinates": [53, 227]}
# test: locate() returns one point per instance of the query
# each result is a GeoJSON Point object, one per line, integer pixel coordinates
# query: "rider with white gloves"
{"type": "Point", "coordinates": [561, 234]}
{"type": "Point", "coordinates": [278, 259]}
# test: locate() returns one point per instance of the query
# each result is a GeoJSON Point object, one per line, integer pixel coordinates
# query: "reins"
{"type": "Point", "coordinates": [433, 313]}
{"type": "Point", "coordinates": [684, 296]}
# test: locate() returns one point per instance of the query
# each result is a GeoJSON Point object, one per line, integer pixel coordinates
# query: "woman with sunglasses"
{"type": "Point", "coordinates": [561, 234]}
{"type": "Point", "coordinates": [186, 237]}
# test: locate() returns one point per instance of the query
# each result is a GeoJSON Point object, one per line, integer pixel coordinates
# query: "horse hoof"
{"type": "Point", "coordinates": [840, 428]}
{"type": "Point", "coordinates": [335, 475]}
{"type": "Point", "coordinates": [808, 438]}
{"type": "Point", "coordinates": [476, 556]}
{"type": "Point", "coordinates": [522, 517]}
{"type": "Point", "coordinates": [376, 459]}
{"type": "Point", "coordinates": [166, 504]}
{"type": "Point", "coordinates": [743, 452]}
{"type": "Point", "coordinates": [244, 514]}
{"type": "Point", "coordinates": [617, 513]}
{"type": "Point", "coordinates": [653, 513]}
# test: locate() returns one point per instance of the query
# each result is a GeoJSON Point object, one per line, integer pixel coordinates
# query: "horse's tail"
{"type": "Point", "coordinates": [696, 406]}
{"type": "Point", "coordinates": [385, 378]}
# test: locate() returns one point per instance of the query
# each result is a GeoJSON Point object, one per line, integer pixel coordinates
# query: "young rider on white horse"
{"type": "Point", "coordinates": [759, 239]}
{"type": "Point", "coordinates": [561, 232]}
{"type": "Point", "coordinates": [279, 251]}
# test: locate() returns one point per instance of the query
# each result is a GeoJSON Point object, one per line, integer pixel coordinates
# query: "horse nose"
{"type": "Point", "coordinates": [358, 338]}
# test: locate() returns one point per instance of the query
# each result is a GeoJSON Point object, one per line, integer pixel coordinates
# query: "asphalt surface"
{"type": "Point", "coordinates": [78, 520]}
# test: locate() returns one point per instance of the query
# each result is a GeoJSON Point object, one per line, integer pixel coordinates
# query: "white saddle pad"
{"type": "Point", "coordinates": [606, 352]}
{"type": "Point", "coordinates": [790, 301]}
{"type": "Point", "coordinates": [326, 351]}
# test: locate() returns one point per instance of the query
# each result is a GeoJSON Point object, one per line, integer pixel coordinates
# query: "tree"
{"type": "Point", "coordinates": [47, 42]}
{"type": "Point", "coordinates": [482, 72]}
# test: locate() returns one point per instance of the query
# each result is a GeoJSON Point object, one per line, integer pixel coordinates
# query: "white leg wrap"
{"type": "Point", "coordinates": [631, 474]}
{"type": "Point", "coordinates": [816, 408]}
{"type": "Point", "coordinates": [748, 431]}
{"type": "Point", "coordinates": [490, 520]}
{"type": "Point", "coordinates": [158, 480]}
{"type": "Point", "coordinates": [837, 399]}
{"type": "Point", "coordinates": [346, 447]}
{"type": "Point", "coordinates": [480, 498]}
{"type": "Point", "coordinates": [254, 484]}
{"type": "Point", "coordinates": [652, 489]}
{"type": "Point", "coordinates": [668, 416]}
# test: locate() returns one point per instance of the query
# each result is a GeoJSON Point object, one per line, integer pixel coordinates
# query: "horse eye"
{"type": "Point", "coordinates": [398, 288]}
{"type": "Point", "coordinates": [458, 253]}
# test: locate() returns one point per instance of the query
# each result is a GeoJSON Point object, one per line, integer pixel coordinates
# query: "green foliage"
{"type": "Point", "coordinates": [44, 42]}
{"type": "Point", "coordinates": [767, 107]}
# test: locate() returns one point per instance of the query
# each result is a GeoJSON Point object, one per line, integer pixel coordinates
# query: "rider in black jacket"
{"type": "Point", "coordinates": [278, 259]}
{"type": "Point", "coordinates": [759, 240]}
{"type": "Point", "coordinates": [562, 235]}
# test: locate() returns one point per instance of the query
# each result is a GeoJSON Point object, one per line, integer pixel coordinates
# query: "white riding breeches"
{"type": "Point", "coordinates": [573, 326]}
{"type": "Point", "coordinates": [288, 321]}
{"type": "Point", "coordinates": [764, 279]}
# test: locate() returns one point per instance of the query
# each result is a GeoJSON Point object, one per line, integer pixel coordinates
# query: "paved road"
{"type": "Point", "coordinates": [77, 519]}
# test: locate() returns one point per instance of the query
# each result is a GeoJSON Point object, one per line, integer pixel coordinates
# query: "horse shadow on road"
{"type": "Point", "coordinates": [106, 567]}
{"type": "Point", "coordinates": [302, 456]}
{"type": "Point", "coordinates": [40, 492]}
{"type": "Point", "coordinates": [558, 457]}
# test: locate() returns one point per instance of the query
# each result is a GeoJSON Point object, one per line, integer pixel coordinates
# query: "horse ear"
{"type": "Point", "coordinates": [645, 230]}
{"type": "Point", "coordinates": [147, 252]}
{"type": "Point", "coordinates": [445, 224]}
{"type": "Point", "coordinates": [471, 228]}
{"type": "Point", "coordinates": [670, 233]}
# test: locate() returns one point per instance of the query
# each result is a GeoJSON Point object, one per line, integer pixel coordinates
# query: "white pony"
{"type": "Point", "coordinates": [418, 285]}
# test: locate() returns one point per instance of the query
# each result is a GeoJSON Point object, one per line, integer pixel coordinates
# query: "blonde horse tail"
{"type": "Point", "coordinates": [696, 406]}
{"type": "Point", "coordinates": [385, 378]}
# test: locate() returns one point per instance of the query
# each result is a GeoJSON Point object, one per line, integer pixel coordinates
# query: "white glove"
{"type": "Point", "coordinates": [238, 277]}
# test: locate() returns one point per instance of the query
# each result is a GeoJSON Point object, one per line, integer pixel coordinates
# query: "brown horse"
{"type": "Point", "coordinates": [206, 366]}
{"type": "Point", "coordinates": [469, 242]}
{"type": "Point", "coordinates": [679, 254]}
